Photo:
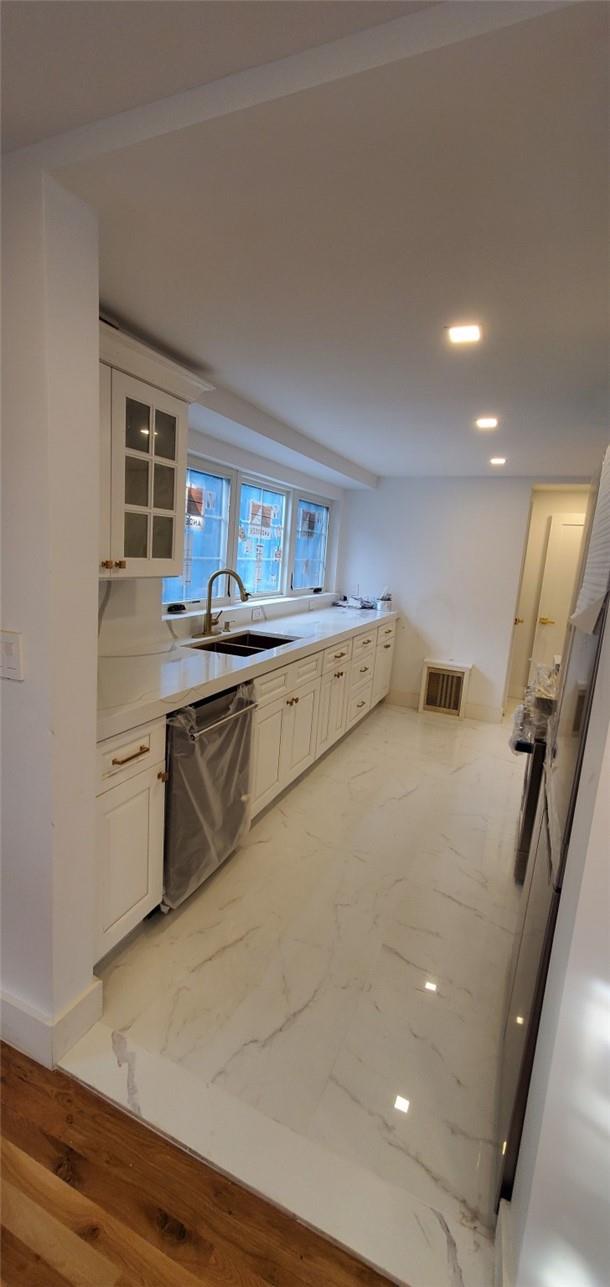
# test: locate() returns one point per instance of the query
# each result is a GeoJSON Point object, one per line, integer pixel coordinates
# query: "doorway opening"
{"type": "Point", "coordinates": [548, 575]}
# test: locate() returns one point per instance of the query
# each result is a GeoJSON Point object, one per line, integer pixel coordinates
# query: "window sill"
{"type": "Point", "coordinates": [277, 600]}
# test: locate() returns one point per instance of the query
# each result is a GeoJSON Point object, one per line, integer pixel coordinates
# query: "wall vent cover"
{"type": "Point", "coordinates": [444, 687]}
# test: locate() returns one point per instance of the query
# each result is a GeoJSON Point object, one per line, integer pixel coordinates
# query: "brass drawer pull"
{"type": "Point", "coordinates": [365, 641]}
{"type": "Point", "coordinates": [363, 670]}
{"type": "Point", "coordinates": [339, 674]}
{"type": "Point", "coordinates": [359, 704]}
{"type": "Point", "coordinates": [387, 645]}
{"type": "Point", "coordinates": [142, 750]}
{"type": "Point", "coordinates": [107, 563]}
{"type": "Point", "coordinates": [339, 655]}
{"type": "Point", "coordinates": [163, 775]}
{"type": "Point", "coordinates": [388, 631]}
{"type": "Point", "coordinates": [120, 563]}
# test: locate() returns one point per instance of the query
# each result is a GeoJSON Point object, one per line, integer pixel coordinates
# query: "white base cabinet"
{"type": "Point", "coordinates": [333, 697]}
{"type": "Point", "coordinates": [284, 741]}
{"type": "Point", "coordinates": [129, 835]}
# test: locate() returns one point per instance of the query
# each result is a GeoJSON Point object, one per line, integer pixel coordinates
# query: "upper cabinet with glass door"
{"type": "Point", "coordinates": [144, 429]}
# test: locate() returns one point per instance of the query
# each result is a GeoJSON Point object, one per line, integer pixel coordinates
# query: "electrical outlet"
{"type": "Point", "coordinates": [11, 662]}
{"type": "Point", "coordinates": [258, 614]}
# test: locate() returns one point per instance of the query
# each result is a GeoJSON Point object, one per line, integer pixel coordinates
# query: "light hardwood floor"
{"type": "Point", "coordinates": [92, 1197]}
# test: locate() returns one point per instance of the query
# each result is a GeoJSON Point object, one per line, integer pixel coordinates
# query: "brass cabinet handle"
{"type": "Point", "coordinates": [339, 674]}
{"type": "Point", "coordinates": [365, 641]}
{"type": "Point", "coordinates": [387, 645]}
{"type": "Point", "coordinates": [339, 655]}
{"type": "Point", "coordinates": [359, 704]}
{"type": "Point", "coordinates": [546, 621]}
{"type": "Point", "coordinates": [163, 775]}
{"type": "Point", "coordinates": [290, 701]}
{"type": "Point", "coordinates": [388, 631]}
{"type": "Point", "coordinates": [363, 670]}
{"type": "Point", "coordinates": [296, 700]}
{"type": "Point", "coordinates": [120, 563]}
{"type": "Point", "coordinates": [107, 563]}
{"type": "Point", "coordinates": [519, 621]}
{"type": "Point", "coordinates": [142, 750]}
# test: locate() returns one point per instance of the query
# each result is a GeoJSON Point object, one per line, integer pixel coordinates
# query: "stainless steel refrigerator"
{"type": "Point", "coordinates": [566, 742]}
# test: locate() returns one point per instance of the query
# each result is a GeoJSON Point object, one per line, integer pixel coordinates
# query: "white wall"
{"type": "Point", "coordinates": [544, 504]}
{"type": "Point", "coordinates": [50, 463]}
{"type": "Point", "coordinates": [558, 1216]}
{"type": "Point", "coordinates": [451, 551]}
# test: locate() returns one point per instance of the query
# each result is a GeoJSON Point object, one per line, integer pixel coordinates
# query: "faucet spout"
{"type": "Point", "coordinates": [243, 594]}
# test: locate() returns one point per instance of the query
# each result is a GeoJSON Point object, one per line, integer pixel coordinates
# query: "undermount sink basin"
{"type": "Point", "coordinates": [247, 644]}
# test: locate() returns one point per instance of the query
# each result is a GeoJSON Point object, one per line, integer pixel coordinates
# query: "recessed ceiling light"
{"type": "Point", "coordinates": [498, 460]}
{"type": "Point", "coordinates": [470, 334]}
{"type": "Point", "coordinates": [487, 422]}
{"type": "Point", "coordinates": [401, 1104]}
{"type": "Point", "coordinates": [430, 986]}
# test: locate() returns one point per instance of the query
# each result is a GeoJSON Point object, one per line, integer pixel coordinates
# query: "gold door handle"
{"type": "Point", "coordinates": [546, 621]}
{"type": "Point", "coordinates": [519, 621]}
{"type": "Point", "coordinates": [107, 563]}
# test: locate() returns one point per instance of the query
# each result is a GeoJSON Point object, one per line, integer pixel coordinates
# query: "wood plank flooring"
{"type": "Point", "coordinates": [93, 1198]}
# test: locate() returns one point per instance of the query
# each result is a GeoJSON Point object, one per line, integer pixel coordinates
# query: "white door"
{"type": "Point", "coordinates": [560, 568]}
{"type": "Point", "coordinates": [299, 730]}
{"type": "Point", "coordinates": [149, 433]}
{"type": "Point", "coordinates": [331, 716]}
{"type": "Point", "coordinates": [129, 855]}
{"type": "Point", "coordinates": [384, 653]}
{"type": "Point", "coordinates": [267, 752]}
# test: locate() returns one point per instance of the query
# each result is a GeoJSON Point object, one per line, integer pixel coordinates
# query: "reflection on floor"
{"type": "Point", "coordinates": [348, 964]}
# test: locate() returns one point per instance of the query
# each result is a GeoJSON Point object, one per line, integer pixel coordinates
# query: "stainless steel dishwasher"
{"type": "Point", "coordinates": [207, 806]}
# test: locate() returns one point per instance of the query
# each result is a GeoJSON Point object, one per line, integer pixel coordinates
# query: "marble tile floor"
{"type": "Point", "coordinates": [284, 1008]}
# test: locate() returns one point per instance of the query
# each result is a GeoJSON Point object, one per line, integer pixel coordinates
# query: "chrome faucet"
{"type": "Point", "coordinates": [208, 619]}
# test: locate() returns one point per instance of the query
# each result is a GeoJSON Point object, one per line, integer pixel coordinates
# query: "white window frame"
{"type": "Point", "coordinates": [236, 477]}
{"type": "Point", "coordinates": [219, 471]}
{"type": "Point", "coordinates": [298, 494]}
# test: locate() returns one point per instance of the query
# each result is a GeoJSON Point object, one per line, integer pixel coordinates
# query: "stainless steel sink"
{"type": "Point", "coordinates": [248, 644]}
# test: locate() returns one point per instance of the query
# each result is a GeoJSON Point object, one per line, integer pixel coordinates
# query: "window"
{"type": "Point", "coordinates": [206, 536]}
{"type": "Point", "coordinates": [276, 539]}
{"type": "Point", "coordinates": [261, 538]}
{"type": "Point", "coordinates": [311, 539]}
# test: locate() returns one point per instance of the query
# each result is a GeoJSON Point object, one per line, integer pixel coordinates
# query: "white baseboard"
{"type": "Point", "coordinates": [488, 714]}
{"type": "Point", "coordinates": [504, 1273]}
{"type": "Point", "coordinates": [47, 1040]}
{"type": "Point", "coordinates": [396, 697]}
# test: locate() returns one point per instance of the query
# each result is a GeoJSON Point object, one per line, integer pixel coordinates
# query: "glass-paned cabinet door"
{"type": "Point", "coordinates": [148, 478]}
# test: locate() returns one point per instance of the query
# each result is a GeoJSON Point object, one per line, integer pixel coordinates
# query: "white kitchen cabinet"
{"type": "Point", "coordinates": [144, 401]}
{"type": "Point", "coordinates": [384, 656]}
{"type": "Point", "coordinates": [284, 741]}
{"type": "Point", "coordinates": [331, 718]}
{"type": "Point", "coordinates": [299, 731]}
{"type": "Point", "coordinates": [358, 703]}
{"type": "Point", "coordinates": [267, 752]}
{"type": "Point", "coordinates": [129, 863]}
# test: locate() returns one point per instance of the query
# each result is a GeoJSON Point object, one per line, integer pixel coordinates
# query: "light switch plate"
{"type": "Point", "coordinates": [258, 614]}
{"type": "Point", "coordinates": [11, 654]}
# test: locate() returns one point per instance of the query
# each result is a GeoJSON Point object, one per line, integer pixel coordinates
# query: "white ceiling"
{"type": "Point", "coordinates": [84, 61]}
{"type": "Point", "coordinates": [307, 252]}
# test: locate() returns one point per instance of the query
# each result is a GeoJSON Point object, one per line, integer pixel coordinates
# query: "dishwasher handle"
{"type": "Point", "coordinates": [208, 728]}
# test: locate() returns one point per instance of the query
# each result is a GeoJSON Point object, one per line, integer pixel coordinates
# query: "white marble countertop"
{"type": "Point", "coordinates": [136, 687]}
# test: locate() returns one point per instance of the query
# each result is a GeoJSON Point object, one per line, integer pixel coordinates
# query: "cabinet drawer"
{"type": "Point", "coordinates": [386, 632]}
{"type": "Point", "coordinates": [341, 652]}
{"type": "Point", "coordinates": [120, 758]}
{"type": "Point", "coordinates": [364, 643]}
{"type": "Point", "coordinates": [361, 670]}
{"type": "Point", "coordinates": [270, 686]}
{"type": "Point", "coordinates": [300, 672]}
{"type": "Point", "coordinates": [359, 702]}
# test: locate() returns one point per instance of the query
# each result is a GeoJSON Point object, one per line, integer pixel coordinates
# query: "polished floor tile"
{"type": "Point", "coordinates": [294, 984]}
